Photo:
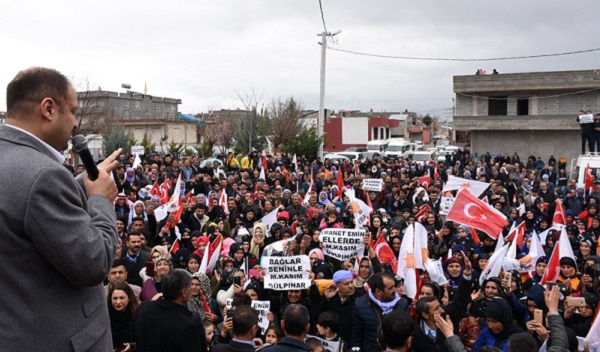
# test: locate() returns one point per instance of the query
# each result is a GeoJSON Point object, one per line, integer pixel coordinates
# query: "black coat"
{"type": "Point", "coordinates": [343, 309]}
{"type": "Point", "coordinates": [287, 345]}
{"type": "Point", "coordinates": [163, 325]}
{"type": "Point", "coordinates": [233, 346]}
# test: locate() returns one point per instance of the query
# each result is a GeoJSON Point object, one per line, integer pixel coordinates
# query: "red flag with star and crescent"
{"type": "Point", "coordinates": [471, 211]}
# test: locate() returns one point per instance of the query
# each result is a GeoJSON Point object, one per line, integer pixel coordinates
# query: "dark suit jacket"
{"type": "Point", "coordinates": [233, 346]}
{"type": "Point", "coordinates": [163, 325]}
{"type": "Point", "coordinates": [287, 345]}
{"type": "Point", "coordinates": [59, 246]}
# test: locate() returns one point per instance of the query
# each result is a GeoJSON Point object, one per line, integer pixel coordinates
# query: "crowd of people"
{"type": "Point", "coordinates": [358, 304]}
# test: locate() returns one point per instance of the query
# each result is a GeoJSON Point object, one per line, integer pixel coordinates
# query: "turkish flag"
{"type": "Point", "coordinates": [175, 247]}
{"type": "Point", "coordinates": [562, 249]}
{"type": "Point", "coordinates": [425, 181]}
{"type": "Point", "coordinates": [164, 192]}
{"type": "Point", "coordinates": [385, 253]}
{"type": "Point", "coordinates": [155, 191]}
{"type": "Point", "coordinates": [471, 211]}
{"type": "Point", "coordinates": [340, 183]}
{"type": "Point", "coordinates": [223, 202]}
{"type": "Point", "coordinates": [559, 214]}
{"type": "Point", "coordinates": [518, 233]}
{"type": "Point", "coordinates": [423, 210]}
{"type": "Point", "coordinates": [589, 178]}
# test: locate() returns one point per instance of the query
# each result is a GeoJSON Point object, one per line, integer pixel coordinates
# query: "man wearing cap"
{"type": "Point", "coordinates": [339, 297]}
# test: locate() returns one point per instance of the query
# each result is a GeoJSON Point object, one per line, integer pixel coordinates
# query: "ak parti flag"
{"type": "Point", "coordinates": [471, 211]}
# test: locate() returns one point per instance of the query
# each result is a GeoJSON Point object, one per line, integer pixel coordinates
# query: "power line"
{"type": "Point", "coordinates": [460, 59]}
{"type": "Point", "coordinates": [322, 17]}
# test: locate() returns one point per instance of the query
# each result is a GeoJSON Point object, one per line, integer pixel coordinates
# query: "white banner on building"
{"type": "Point", "coordinates": [342, 244]}
{"type": "Point", "coordinates": [372, 184]}
{"type": "Point", "coordinates": [287, 273]}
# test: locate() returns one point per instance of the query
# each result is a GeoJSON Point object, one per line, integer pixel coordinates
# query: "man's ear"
{"type": "Point", "coordinates": [408, 343]}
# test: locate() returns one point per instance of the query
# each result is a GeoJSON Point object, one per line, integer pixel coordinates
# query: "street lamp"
{"type": "Point", "coordinates": [321, 122]}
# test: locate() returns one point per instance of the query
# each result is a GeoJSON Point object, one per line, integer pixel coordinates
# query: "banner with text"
{"type": "Point", "coordinates": [342, 244]}
{"type": "Point", "coordinates": [328, 345]}
{"type": "Point", "coordinates": [262, 307]}
{"type": "Point", "coordinates": [446, 202]}
{"type": "Point", "coordinates": [287, 273]}
{"type": "Point", "coordinates": [372, 184]}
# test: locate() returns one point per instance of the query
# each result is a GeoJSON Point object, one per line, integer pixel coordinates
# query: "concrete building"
{"type": "Point", "coordinates": [354, 128]}
{"type": "Point", "coordinates": [530, 113]}
{"type": "Point", "coordinates": [138, 113]}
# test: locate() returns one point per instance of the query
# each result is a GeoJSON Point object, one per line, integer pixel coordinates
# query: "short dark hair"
{"type": "Point", "coordinates": [295, 319]}
{"type": "Point", "coordinates": [175, 282]}
{"type": "Point", "coordinates": [242, 299]}
{"type": "Point", "coordinates": [31, 86]}
{"type": "Point", "coordinates": [376, 281]}
{"type": "Point", "coordinates": [329, 319]}
{"type": "Point", "coordinates": [137, 218]}
{"type": "Point", "coordinates": [200, 206]}
{"type": "Point", "coordinates": [522, 342]}
{"type": "Point", "coordinates": [423, 305]}
{"type": "Point", "coordinates": [244, 318]}
{"type": "Point", "coordinates": [396, 328]}
{"type": "Point", "coordinates": [116, 263]}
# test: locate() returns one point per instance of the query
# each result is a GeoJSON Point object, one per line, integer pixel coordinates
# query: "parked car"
{"type": "Point", "coordinates": [336, 157]}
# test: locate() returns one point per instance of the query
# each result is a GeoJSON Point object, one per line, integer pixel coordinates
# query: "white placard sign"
{"type": "Point", "coordinates": [587, 118]}
{"type": "Point", "coordinates": [372, 184]}
{"type": "Point", "coordinates": [262, 307]}
{"type": "Point", "coordinates": [287, 273]}
{"type": "Point", "coordinates": [328, 346]}
{"type": "Point", "coordinates": [137, 149]}
{"type": "Point", "coordinates": [446, 202]}
{"type": "Point", "coordinates": [342, 244]}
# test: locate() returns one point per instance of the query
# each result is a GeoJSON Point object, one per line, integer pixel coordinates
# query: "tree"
{"type": "Point", "coordinates": [249, 131]}
{"type": "Point", "coordinates": [132, 140]}
{"type": "Point", "coordinates": [93, 110]}
{"type": "Point", "coordinates": [205, 150]}
{"type": "Point", "coordinates": [307, 143]}
{"type": "Point", "coordinates": [148, 147]}
{"type": "Point", "coordinates": [284, 121]}
{"type": "Point", "coordinates": [220, 133]}
{"type": "Point", "coordinates": [175, 148]}
{"type": "Point", "coordinates": [117, 138]}
{"type": "Point", "coordinates": [427, 120]}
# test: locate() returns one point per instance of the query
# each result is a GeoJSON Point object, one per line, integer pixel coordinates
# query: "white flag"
{"type": "Point", "coordinates": [269, 220]}
{"type": "Point", "coordinates": [136, 161]}
{"type": "Point", "coordinates": [476, 188]}
{"type": "Point", "coordinates": [204, 264]}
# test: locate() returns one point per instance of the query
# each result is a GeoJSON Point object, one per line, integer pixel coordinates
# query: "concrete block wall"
{"type": "Point", "coordinates": [525, 143]}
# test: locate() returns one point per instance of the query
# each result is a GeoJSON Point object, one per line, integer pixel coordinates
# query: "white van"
{"type": "Point", "coordinates": [592, 159]}
{"type": "Point", "coordinates": [422, 157]}
{"type": "Point", "coordinates": [399, 149]}
{"type": "Point", "coordinates": [377, 146]}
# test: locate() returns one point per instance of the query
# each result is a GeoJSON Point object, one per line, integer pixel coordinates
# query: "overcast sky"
{"type": "Point", "coordinates": [202, 52]}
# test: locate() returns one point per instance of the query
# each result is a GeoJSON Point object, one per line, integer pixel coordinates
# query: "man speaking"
{"type": "Point", "coordinates": [59, 234]}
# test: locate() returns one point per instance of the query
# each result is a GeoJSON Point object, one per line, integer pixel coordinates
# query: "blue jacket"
{"type": "Point", "coordinates": [487, 339]}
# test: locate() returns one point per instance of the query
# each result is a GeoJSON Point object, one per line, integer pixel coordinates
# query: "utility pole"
{"type": "Point", "coordinates": [321, 120]}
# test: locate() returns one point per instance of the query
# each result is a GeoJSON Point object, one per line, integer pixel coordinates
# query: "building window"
{"type": "Point", "coordinates": [522, 106]}
{"type": "Point", "coordinates": [375, 133]}
{"type": "Point", "coordinates": [157, 107]}
{"type": "Point", "coordinates": [137, 105]}
{"type": "Point", "coordinates": [497, 106]}
{"type": "Point", "coordinates": [125, 104]}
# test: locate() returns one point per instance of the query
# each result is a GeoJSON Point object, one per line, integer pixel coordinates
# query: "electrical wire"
{"type": "Point", "coordinates": [461, 59]}
{"type": "Point", "coordinates": [322, 17]}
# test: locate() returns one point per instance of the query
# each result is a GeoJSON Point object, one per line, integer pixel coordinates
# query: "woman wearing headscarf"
{"type": "Point", "coordinates": [201, 301]}
{"type": "Point", "coordinates": [152, 289]}
{"type": "Point", "coordinates": [499, 325]}
{"type": "Point", "coordinates": [453, 268]}
{"type": "Point", "coordinates": [138, 211]}
{"type": "Point", "coordinates": [581, 319]}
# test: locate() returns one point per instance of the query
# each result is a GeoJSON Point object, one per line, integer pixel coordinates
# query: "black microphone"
{"type": "Point", "coordinates": [80, 145]}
